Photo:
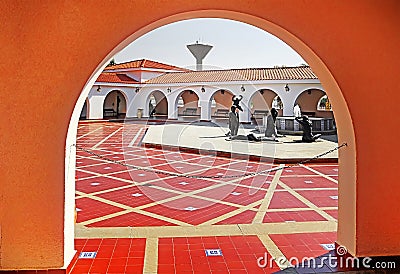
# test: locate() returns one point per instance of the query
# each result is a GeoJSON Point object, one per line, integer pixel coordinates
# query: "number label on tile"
{"type": "Point", "coordinates": [328, 246]}
{"type": "Point", "coordinates": [87, 255]}
{"type": "Point", "coordinates": [213, 252]}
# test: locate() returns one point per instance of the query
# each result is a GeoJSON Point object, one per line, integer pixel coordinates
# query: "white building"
{"type": "Point", "coordinates": [135, 89]}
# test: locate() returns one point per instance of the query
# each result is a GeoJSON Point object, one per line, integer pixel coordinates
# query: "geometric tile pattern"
{"type": "Point", "coordinates": [111, 196]}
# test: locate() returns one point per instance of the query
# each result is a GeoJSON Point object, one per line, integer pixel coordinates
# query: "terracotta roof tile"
{"type": "Point", "coordinates": [144, 63]}
{"type": "Point", "coordinates": [112, 77]}
{"type": "Point", "coordinates": [251, 74]}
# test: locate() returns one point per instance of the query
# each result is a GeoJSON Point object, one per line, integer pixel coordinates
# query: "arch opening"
{"type": "Point", "coordinates": [187, 105]}
{"type": "Point", "coordinates": [345, 129]}
{"type": "Point", "coordinates": [115, 104]}
{"type": "Point", "coordinates": [157, 104]}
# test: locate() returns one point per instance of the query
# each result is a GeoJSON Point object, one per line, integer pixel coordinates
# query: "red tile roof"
{"type": "Point", "coordinates": [112, 77]}
{"type": "Point", "coordinates": [144, 63]}
{"type": "Point", "coordinates": [250, 74]}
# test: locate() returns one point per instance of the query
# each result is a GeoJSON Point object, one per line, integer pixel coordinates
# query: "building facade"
{"type": "Point", "coordinates": [145, 88]}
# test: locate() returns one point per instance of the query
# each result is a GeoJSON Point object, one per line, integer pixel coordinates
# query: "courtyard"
{"type": "Point", "coordinates": [164, 210]}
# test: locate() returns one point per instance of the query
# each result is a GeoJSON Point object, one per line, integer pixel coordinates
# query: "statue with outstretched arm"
{"type": "Point", "coordinates": [236, 101]}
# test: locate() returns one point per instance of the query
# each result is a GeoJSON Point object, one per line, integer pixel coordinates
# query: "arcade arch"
{"type": "Point", "coordinates": [187, 103]}
{"type": "Point", "coordinates": [262, 99]}
{"type": "Point", "coordinates": [114, 104]}
{"type": "Point", "coordinates": [157, 103]}
{"type": "Point", "coordinates": [366, 226]}
{"type": "Point", "coordinates": [308, 102]}
{"type": "Point", "coordinates": [220, 102]}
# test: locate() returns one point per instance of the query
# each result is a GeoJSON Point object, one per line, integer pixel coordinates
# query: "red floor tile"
{"type": "Point", "coordinates": [131, 220]}
{"type": "Point", "coordinates": [98, 184]}
{"type": "Point", "coordinates": [300, 245]}
{"type": "Point", "coordinates": [288, 216]}
{"type": "Point", "coordinates": [245, 217]}
{"type": "Point", "coordinates": [184, 184]}
{"type": "Point", "coordinates": [259, 181]}
{"type": "Point", "coordinates": [235, 194]}
{"type": "Point", "coordinates": [90, 209]}
{"type": "Point", "coordinates": [200, 212]}
{"type": "Point", "coordinates": [308, 182]}
{"type": "Point", "coordinates": [139, 176]}
{"type": "Point", "coordinates": [285, 200]}
{"type": "Point", "coordinates": [333, 213]}
{"type": "Point", "coordinates": [321, 198]}
{"type": "Point", "coordinates": [296, 170]}
{"type": "Point", "coordinates": [137, 195]}
{"type": "Point", "coordinates": [326, 169]}
{"type": "Point", "coordinates": [187, 255]}
{"type": "Point", "coordinates": [240, 255]}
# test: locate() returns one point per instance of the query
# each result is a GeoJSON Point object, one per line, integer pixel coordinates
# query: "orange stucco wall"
{"type": "Point", "coordinates": [50, 49]}
{"type": "Point", "coordinates": [263, 101]}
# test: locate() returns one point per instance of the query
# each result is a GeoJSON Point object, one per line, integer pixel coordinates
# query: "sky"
{"type": "Point", "coordinates": [235, 45]}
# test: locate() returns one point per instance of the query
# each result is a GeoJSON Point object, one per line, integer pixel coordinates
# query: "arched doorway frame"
{"type": "Point", "coordinates": [118, 92]}
{"type": "Point", "coordinates": [158, 95]}
{"type": "Point", "coordinates": [347, 157]}
{"type": "Point", "coordinates": [222, 91]}
{"type": "Point", "coordinates": [301, 95]}
{"type": "Point", "coordinates": [192, 91]}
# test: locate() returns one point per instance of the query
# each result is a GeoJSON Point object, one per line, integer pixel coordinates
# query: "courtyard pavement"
{"type": "Point", "coordinates": [155, 210]}
{"type": "Point", "coordinates": [212, 138]}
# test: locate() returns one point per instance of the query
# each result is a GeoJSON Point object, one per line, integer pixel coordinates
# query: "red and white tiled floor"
{"type": "Point", "coordinates": [146, 220]}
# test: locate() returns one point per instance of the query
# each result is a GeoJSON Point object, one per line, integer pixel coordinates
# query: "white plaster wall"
{"type": "Point", "coordinates": [96, 99]}
{"type": "Point", "coordinates": [141, 99]}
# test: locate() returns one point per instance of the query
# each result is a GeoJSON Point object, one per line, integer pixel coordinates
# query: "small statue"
{"type": "Point", "coordinates": [271, 131]}
{"type": "Point", "coordinates": [297, 111]}
{"type": "Point", "coordinates": [233, 121]}
{"type": "Point", "coordinates": [236, 101]}
{"type": "Point", "coordinates": [308, 136]}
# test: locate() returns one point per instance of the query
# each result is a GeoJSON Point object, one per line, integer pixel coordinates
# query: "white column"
{"type": "Point", "coordinates": [296, 125]}
{"type": "Point", "coordinates": [205, 106]}
{"type": "Point", "coordinates": [245, 115]}
{"type": "Point", "coordinates": [288, 99]}
{"type": "Point", "coordinates": [172, 107]}
{"type": "Point", "coordinates": [130, 97]}
{"type": "Point", "coordinates": [96, 103]}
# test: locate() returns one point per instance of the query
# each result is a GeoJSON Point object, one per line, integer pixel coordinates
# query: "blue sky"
{"type": "Point", "coordinates": [235, 45]}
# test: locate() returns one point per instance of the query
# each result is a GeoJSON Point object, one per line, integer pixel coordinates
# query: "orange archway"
{"type": "Point", "coordinates": [40, 64]}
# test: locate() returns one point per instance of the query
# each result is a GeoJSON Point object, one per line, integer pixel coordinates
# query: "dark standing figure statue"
{"type": "Point", "coordinates": [236, 101]}
{"type": "Point", "coordinates": [152, 110]}
{"type": "Point", "coordinates": [118, 102]}
{"type": "Point", "coordinates": [271, 124]}
{"type": "Point", "coordinates": [233, 121]}
{"type": "Point", "coordinates": [308, 136]}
